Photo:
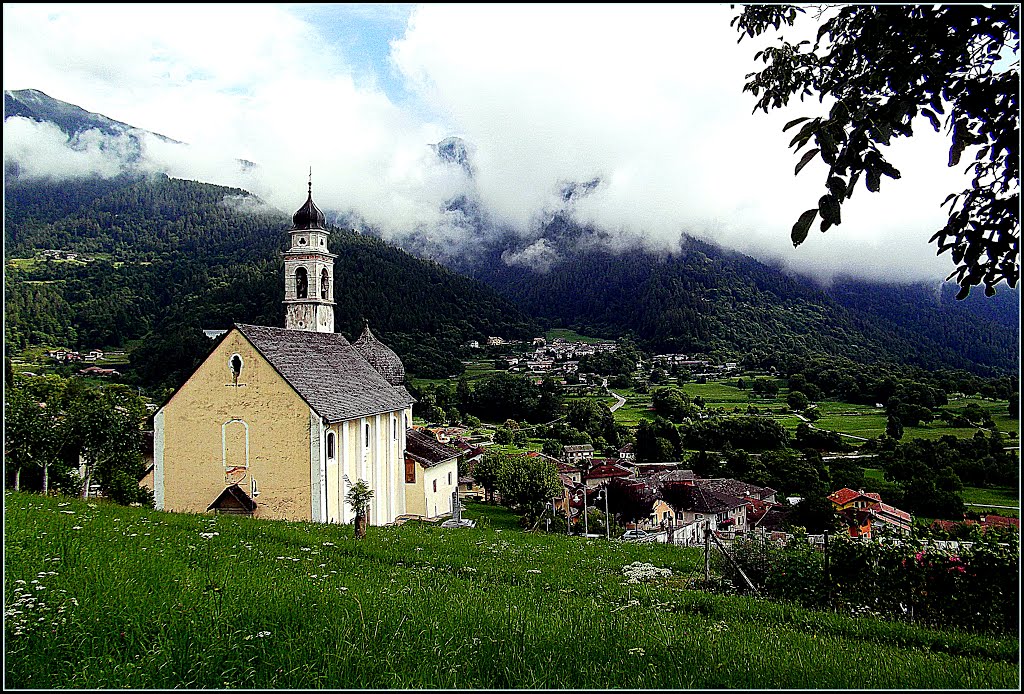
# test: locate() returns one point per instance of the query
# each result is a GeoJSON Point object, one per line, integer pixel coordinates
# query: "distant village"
{"type": "Point", "coordinates": [560, 357]}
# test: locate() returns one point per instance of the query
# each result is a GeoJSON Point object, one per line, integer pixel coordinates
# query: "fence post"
{"type": "Point", "coordinates": [707, 552]}
{"type": "Point", "coordinates": [828, 577]}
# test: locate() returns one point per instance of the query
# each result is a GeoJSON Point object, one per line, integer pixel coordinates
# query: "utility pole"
{"type": "Point", "coordinates": [828, 579]}
{"type": "Point", "coordinates": [586, 528]}
{"type": "Point", "coordinates": [607, 519]}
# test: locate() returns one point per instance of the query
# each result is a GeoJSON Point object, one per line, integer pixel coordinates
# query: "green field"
{"type": "Point", "coordinates": [105, 597]}
{"type": "Point", "coordinates": [572, 336]}
{"type": "Point", "coordinates": [1002, 496]}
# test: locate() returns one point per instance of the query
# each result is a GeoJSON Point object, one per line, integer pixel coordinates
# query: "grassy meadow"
{"type": "Point", "coordinates": [102, 596]}
{"type": "Point", "coordinates": [863, 421]}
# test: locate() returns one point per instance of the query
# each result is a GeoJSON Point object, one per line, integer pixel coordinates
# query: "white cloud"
{"type": "Point", "coordinates": [42, 150]}
{"type": "Point", "coordinates": [648, 97]}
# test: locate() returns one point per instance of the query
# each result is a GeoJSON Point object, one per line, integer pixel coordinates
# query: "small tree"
{"type": "Point", "coordinates": [358, 497]}
{"type": "Point", "coordinates": [487, 470]}
{"type": "Point", "coordinates": [629, 501]}
{"type": "Point", "coordinates": [529, 484]}
{"type": "Point", "coordinates": [797, 401]}
{"type": "Point", "coordinates": [894, 428]}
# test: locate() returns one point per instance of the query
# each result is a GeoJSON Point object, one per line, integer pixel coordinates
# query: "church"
{"type": "Point", "coordinates": [280, 423]}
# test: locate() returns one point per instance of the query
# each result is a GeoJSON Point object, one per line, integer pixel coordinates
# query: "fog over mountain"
{"type": "Point", "coordinates": [659, 123]}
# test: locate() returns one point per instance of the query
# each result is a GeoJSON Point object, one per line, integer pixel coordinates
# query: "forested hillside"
{"type": "Point", "coordinates": [165, 258]}
{"type": "Point", "coordinates": [705, 299]}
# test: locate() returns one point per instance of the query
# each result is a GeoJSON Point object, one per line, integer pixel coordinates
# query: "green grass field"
{"type": "Point", "coordinates": [100, 596]}
{"type": "Point", "coordinates": [992, 499]}
{"type": "Point", "coordinates": [572, 336]}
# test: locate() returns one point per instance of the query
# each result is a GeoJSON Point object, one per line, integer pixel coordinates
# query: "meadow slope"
{"type": "Point", "coordinates": [102, 596]}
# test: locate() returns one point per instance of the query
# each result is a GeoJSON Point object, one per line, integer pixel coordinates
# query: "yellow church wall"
{"type": "Point", "coordinates": [195, 440]}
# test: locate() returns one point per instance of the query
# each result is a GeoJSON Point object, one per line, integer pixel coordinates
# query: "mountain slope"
{"type": "Point", "coordinates": [192, 253]}
{"type": "Point", "coordinates": [221, 245]}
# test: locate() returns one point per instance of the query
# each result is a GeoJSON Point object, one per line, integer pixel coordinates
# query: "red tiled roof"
{"type": "Point", "coordinates": [891, 510]}
{"type": "Point", "coordinates": [1002, 521]}
{"type": "Point", "coordinates": [846, 495]}
{"type": "Point", "coordinates": [605, 471]}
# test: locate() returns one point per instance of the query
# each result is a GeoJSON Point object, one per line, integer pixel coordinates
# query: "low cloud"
{"type": "Point", "coordinates": [540, 256]}
{"type": "Point", "coordinates": [646, 99]}
{"type": "Point", "coordinates": [42, 150]}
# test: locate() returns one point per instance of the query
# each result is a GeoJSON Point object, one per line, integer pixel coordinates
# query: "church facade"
{"type": "Point", "coordinates": [280, 423]}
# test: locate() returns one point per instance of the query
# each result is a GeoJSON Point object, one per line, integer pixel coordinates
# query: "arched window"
{"type": "Point", "coordinates": [236, 367]}
{"type": "Point", "coordinates": [301, 283]}
{"type": "Point", "coordinates": [330, 445]}
{"type": "Point", "coordinates": [325, 285]}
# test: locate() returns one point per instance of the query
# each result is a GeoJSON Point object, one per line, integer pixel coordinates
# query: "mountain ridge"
{"type": "Point", "coordinates": [696, 298]}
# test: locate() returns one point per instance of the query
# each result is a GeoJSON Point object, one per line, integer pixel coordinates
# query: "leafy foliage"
{"type": "Point", "coordinates": [974, 588]}
{"type": "Point", "coordinates": [882, 66]}
{"type": "Point", "coordinates": [52, 423]}
{"type": "Point", "coordinates": [528, 484]}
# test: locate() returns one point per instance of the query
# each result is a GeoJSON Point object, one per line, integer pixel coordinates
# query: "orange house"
{"type": "Point", "coordinates": [864, 513]}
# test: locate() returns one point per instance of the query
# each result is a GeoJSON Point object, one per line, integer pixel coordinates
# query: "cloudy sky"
{"type": "Point", "coordinates": [647, 97]}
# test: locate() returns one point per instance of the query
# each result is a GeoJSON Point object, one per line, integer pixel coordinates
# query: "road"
{"type": "Point", "coordinates": [619, 400]}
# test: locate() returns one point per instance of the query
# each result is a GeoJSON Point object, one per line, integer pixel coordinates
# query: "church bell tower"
{"type": "Point", "coordinates": [309, 272]}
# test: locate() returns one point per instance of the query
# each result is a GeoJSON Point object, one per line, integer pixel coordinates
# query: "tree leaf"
{"type": "Point", "coordinates": [793, 122]}
{"type": "Point", "coordinates": [802, 226]}
{"type": "Point", "coordinates": [829, 207]}
{"type": "Point", "coordinates": [873, 181]}
{"type": "Point", "coordinates": [932, 117]}
{"type": "Point", "coordinates": [853, 182]}
{"type": "Point", "coordinates": [837, 186]}
{"type": "Point", "coordinates": [805, 159]}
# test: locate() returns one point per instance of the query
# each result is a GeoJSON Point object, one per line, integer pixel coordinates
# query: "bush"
{"type": "Point", "coordinates": [975, 587]}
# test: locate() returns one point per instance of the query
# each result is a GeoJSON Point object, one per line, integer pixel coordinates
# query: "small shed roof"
{"type": "Point", "coordinates": [233, 499]}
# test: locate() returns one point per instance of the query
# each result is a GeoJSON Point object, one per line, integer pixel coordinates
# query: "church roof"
{"type": "Point", "coordinates": [309, 215]}
{"type": "Point", "coordinates": [381, 357]}
{"type": "Point", "coordinates": [327, 371]}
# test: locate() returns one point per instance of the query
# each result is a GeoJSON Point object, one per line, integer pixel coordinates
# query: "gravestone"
{"type": "Point", "coordinates": [456, 507]}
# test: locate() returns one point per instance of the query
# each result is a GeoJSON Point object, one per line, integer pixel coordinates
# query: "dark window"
{"type": "Point", "coordinates": [236, 367]}
{"type": "Point", "coordinates": [435, 485]}
{"type": "Point", "coordinates": [325, 284]}
{"type": "Point", "coordinates": [330, 445]}
{"type": "Point", "coordinates": [301, 283]}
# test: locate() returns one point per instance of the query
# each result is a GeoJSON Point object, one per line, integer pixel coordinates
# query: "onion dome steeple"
{"type": "Point", "coordinates": [309, 215]}
{"type": "Point", "coordinates": [380, 356]}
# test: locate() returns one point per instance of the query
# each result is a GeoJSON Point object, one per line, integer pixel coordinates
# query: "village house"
{"type": "Point", "coordinates": [99, 371]}
{"type": "Point", "coordinates": [431, 475]}
{"type": "Point", "coordinates": [579, 455]}
{"type": "Point", "coordinates": [723, 511]}
{"type": "Point", "coordinates": [865, 514]}
{"type": "Point", "coordinates": [603, 473]}
{"type": "Point", "coordinates": [281, 422]}
{"type": "Point", "coordinates": [737, 488]}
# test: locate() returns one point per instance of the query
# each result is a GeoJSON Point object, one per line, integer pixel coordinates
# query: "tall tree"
{"type": "Point", "coordinates": [882, 66]}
